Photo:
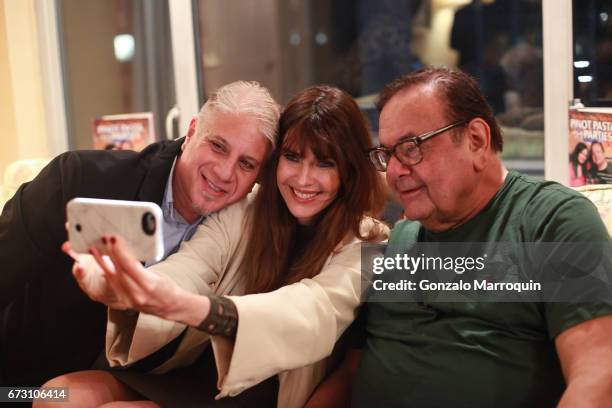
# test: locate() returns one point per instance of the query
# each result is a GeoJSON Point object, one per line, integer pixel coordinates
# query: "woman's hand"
{"type": "Point", "coordinates": [132, 284]}
{"type": "Point", "coordinates": [119, 280]}
{"type": "Point", "coordinates": [90, 277]}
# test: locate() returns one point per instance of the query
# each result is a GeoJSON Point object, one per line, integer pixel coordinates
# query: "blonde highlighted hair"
{"type": "Point", "coordinates": [243, 98]}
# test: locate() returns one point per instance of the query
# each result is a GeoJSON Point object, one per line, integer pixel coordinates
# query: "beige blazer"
{"type": "Point", "coordinates": [288, 332]}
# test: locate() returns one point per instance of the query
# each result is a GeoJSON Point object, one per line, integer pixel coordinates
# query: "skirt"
{"type": "Point", "coordinates": [195, 386]}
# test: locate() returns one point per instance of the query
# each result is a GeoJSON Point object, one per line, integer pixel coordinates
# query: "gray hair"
{"type": "Point", "coordinates": [244, 98]}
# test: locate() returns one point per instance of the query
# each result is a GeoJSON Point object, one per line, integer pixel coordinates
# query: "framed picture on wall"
{"type": "Point", "coordinates": [590, 146]}
{"type": "Point", "coordinates": [130, 131]}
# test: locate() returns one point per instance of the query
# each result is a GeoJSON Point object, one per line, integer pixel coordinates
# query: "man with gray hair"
{"type": "Point", "coordinates": [48, 325]}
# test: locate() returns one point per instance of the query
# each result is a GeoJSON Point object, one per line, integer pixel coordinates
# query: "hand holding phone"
{"type": "Point", "coordinates": [89, 276]}
{"type": "Point", "coordinates": [139, 223]}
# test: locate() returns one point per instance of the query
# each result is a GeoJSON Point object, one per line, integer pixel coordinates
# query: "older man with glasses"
{"type": "Point", "coordinates": [440, 149]}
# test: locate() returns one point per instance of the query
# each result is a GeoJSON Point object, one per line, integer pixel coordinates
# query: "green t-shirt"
{"type": "Point", "coordinates": [476, 354]}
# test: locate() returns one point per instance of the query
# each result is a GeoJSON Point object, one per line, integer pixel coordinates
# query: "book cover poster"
{"type": "Point", "coordinates": [133, 131]}
{"type": "Point", "coordinates": [590, 146]}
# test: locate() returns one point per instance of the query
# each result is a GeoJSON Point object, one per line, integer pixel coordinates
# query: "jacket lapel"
{"type": "Point", "coordinates": [154, 182]}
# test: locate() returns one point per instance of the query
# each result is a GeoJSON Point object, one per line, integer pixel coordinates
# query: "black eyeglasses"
{"type": "Point", "coordinates": [407, 151]}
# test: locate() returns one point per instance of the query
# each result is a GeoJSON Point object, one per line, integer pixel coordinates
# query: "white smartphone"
{"type": "Point", "coordinates": [139, 223]}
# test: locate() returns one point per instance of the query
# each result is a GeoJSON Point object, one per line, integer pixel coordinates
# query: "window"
{"type": "Point", "coordinates": [593, 51]}
{"type": "Point", "coordinates": [360, 45]}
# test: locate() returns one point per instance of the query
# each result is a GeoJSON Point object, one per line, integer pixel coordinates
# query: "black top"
{"type": "Point", "coordinates": [303, 235]}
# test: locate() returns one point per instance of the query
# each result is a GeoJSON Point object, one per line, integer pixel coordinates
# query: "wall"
{"type": "Point", "coordinates": [224, 25]}
{"type": "Point", "coordinates": [8, 139]}
{"type": "Point", "coordinates": [22, 116]}
{"type": "Point", "coordinates": [94, 81]}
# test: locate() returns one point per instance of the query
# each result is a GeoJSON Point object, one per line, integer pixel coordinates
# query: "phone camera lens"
{"type": "Point", "coordinates": [78, 227]}
{"type": "Point", "coordinates": [148, 223]}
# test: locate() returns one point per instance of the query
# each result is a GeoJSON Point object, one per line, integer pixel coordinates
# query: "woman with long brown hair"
{"type": "Point", "coordinates": [294, 254]}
